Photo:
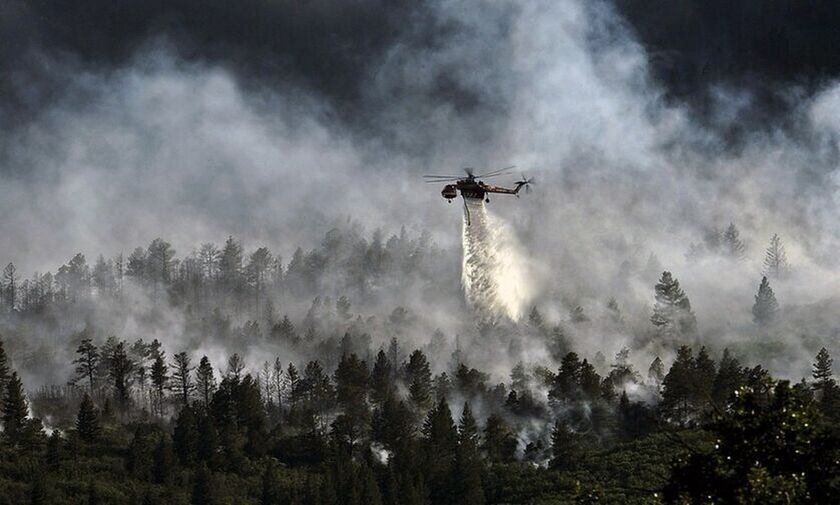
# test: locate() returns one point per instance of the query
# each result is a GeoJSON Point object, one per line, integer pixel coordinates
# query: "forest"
{"type": "Point", "coordinates": [233, 377]}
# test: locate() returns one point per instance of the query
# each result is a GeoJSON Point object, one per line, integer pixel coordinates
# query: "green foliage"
{"type": "Point", "coordinates": [766, 307]}
{"type": "Point", "coordinates": [767, 450]}
{"type": "Point", "coordinates": [87, 420]}
{"type": "Point", "coordinates": [672, 315]}
{"type": "Point", "coordinates": [15, 411]}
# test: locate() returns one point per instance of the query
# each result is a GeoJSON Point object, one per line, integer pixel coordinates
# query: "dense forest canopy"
{"type": "Point", "coordinates": [350, 373]}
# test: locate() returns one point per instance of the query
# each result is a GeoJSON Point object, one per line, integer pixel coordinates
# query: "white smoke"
{"type": "Point", "coordinates": [496, 274]}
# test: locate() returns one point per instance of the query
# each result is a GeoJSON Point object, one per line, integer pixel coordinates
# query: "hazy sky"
{"type": "Point", "coordinates": [270, 120]}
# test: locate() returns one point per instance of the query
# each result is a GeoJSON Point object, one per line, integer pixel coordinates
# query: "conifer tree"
{"type": "Point", "coordinates": [775, 259]}
{"type": "Point", "coordinates": [678, 386]}
{"type": "Point", "coordinates": [381, 386]}
{"type": "Point", "coordinates": [182, 383]}
{"type": "Point", "coordinates": [732, 244]}
{"type": "Point", "coordinates": [235, 367]}
{"type": "Point", "coordinates": [589, 381]}
{"type": "Point", "coordinates": [87, 362]}
{"type": "Point", "coordinates": [499, 443]}
{"type": "Point", "coordinates": [565, 446]}
{"type": "Point", "coordinates": [656, 372]}
{"type": "Point", "coordinates": [419, 377]}
{"type": "Point", "coordinates": [440, 440]}
{"type": "Point", "coordinates": [205, 380]}
{"type": "Point", "coordinates": [535, 319]}
{"type": "Point", "coordinates": [466, 476]}
{"type": "Point", "coordinates": [822, 369]}
{"type": "Point", "coordinates": [704, 377]}
{"type": "Point", "coordinates": [120, 367]}
{"type": "Point", "coordinates": [566, 382]}
{"type": "Point", "coordinates": [4, 368]}
{"type": "Point", "coordinates": [468, 429]}
{"type": "Point", "coordinates": [9, 286]}
{"type": "Point", "coordinates": [728, 379]}
{"type": "Point", "coordinates": [577, 315]}
{"type": "Point", "coordinates": [14, 411]}
{"type": "Point", "coordinates": [672, 314]}
{"type": "Point", "coordinates": [160, 377]}
{"type": "Point", "coordinates": [87, 420]}
{"type": "Point", "coordinates": [765, 308]}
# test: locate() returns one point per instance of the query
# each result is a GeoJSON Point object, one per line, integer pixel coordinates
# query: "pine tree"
{"type": "Point", "coordinates": [589, 381]}
{"type": "Point", "coordinates": [205, 380]}
{"type": "Point", "coordinates": [672, 314]}
{"type": "Point", "coordinates": [351, 382]}
{"type": "Point", "coordinates": [499, 443]}
{"type": "Point", "coordinates": [120, 366]}
{"type": "Point", "coordinates": [566, 383]}
{"type": "Point", "coordinates": [182, 384]}
{"type": "Point", "coordinates": [565, 446]}
{"type": "Point", "coordinates": [419, 378]}
{"type": "Point", "coordinates": [235, 367]}
{"type": "Point", "coordinates": [440, 440]}
{"type": "Point", "coordinates": [9, 286]}
{"type": "Point", "coordinates": [822, 369]}
{"type": "Point", "coordinates": [15, 410]}
{"type": "Point", "coordinates": [535, 319]}
{"type": "Point", "coordinates": [732, 244]}
{"type": "Point", "coordinates": [775, 260]}
{"type": "Point", "coordinates": [704, 377]}
{"type": "Point", "coordinates": [87, 362]}
{"type": "Point", "coordinates": [160, 378]}
{"type": "Point", "coordinates": [4, 368]}
{"type": "Point", "coordinates": [765, 308]}
{"type": "Point", "coordinates": [656, 372]}
{"type": "Point", "coordinates": [87, 420]}
{"type": "Point", "coordinates": [678, 386]}
{"type": "Point", "coordinates": [380, 379]}
{"type": "Point", "coordinates": [468, 429]}
{"type": "Point", "coordinates": [728, 379]}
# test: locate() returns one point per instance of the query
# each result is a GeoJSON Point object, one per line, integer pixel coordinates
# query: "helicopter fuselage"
{"type": "Point", "coordinates": [473, 189]}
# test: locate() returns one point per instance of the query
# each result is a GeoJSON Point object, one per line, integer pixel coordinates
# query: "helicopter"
{"type": "Point", "coordinates": [472, 188]}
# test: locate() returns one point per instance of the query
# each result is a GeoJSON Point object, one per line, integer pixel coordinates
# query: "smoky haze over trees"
{"type": "Point", "coordinates": [222, 280]}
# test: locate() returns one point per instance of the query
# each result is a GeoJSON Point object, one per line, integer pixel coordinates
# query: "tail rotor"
{"type": "Point", "coordinates": [525, 183]}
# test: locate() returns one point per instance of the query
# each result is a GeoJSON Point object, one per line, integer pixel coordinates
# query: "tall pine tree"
{"type": "Point", "coordinates": [776, 265]}
{"type": "Point", "coordinates": [672, 315]}
{"type": "Point", "coordinates": [765, 308]}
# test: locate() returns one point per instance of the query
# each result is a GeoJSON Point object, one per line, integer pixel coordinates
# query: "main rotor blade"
{"type": "Point", "coordinates": [440, 181]}
{"type": "Point", "coordinates": [493, 175]}
{"type": "Point", "coordinates": [493, 172]}
{"type": "Point", "coordinates": [443, 177]}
